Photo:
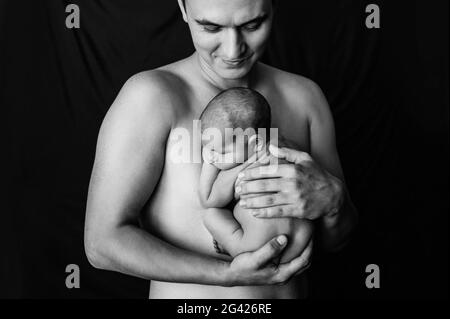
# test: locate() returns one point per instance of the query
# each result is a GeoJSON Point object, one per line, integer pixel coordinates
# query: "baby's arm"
{"type": "Point", "coordinates": [217, 187]}
{"type": "Point", "coordinates": [208, 176]}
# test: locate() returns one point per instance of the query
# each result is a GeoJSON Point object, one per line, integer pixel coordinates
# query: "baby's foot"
{"type": "Point", "coordinates": [219, 249]}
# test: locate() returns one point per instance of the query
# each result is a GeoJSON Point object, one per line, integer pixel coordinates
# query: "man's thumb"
{"type": "Point", "coordinates": [271, 250]}
{"type": "Point", "coordinates": [281, 240]}
{"type": "Point", "coordinates": [290, 155]}
{"type": "Point", "coordinates": [276, 151]}
{"type": "Point", "coordinates": [283, 153]}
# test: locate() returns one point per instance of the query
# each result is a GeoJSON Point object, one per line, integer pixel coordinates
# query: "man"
{"type": "Point", "coordinates": [134, 177]}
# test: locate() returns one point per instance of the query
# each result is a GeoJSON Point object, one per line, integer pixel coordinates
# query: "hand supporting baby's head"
{"type": "Point", "coordinates": [235, 125]}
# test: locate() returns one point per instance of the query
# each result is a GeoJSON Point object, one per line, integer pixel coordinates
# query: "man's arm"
{"type": "Point", "coordinates": [335, 226]}
{"type": "Point", "coordinates": [128, 164]}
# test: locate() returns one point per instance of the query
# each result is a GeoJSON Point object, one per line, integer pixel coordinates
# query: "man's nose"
{"type": "Point", "coordinates": [233, 45]}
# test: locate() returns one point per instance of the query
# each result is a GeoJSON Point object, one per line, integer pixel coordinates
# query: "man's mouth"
{"type": "Point", "coordinates": [235, 62]}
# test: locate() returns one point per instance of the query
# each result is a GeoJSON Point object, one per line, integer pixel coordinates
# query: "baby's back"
{"type": "Point", "coordinates": [258, 231]}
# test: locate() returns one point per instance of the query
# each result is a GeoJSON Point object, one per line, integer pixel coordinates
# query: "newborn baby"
{"type": "Point", "coordinates": [235, 135]}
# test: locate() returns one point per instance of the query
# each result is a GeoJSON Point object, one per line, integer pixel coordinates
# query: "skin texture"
{"type": "Point", "coordinates": [235, 230]}
{"type": "Point", "coordinates": [142, 215]}
{"type": "Point", "coordinates": [229, 48]}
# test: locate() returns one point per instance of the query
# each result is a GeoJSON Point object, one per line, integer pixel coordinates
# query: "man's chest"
{"type": "Point", "coordinates": [290, 121]}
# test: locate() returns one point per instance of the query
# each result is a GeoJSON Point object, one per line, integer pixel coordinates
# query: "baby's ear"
{"type": "Point", "coordinates": [257, 142]}
{"type": "Point", "coordinates": [208, 156]}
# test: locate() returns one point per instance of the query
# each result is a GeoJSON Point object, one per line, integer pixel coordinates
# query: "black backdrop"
{"type": "Point", "coordinates": [388, 90]}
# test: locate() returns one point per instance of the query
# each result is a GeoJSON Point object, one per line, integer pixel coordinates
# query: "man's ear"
{"type": "Point", "coordinates": [182, 6]}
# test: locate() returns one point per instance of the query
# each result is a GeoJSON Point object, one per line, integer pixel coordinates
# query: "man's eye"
{"type": "Point", "coordinates": [211, 28]}
{"type": "Point", "coordinates": [252, 26]}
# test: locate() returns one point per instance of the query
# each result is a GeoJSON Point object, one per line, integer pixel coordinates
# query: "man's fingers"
{"type": "Point", "coordinates": [274, 212]}
{"type": "Point", "coordinates": [276, 151]}
{"type": "Point", "coordinates": [268, 171]}
{"type": "Point", "coordinates": [263, 201]}
{"type": "Point", "coordinates": [290, 154]}
{"type": "Point", "coordinates": [264, 186]}
{"type": "Point", "coordinates": [270, 250]}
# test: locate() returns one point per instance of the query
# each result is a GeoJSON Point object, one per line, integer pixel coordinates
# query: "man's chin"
{"type": "Point", "coordinates": [234, 74]}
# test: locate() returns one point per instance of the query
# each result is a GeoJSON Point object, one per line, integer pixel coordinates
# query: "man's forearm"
{"type": "Point", "coordinates": [133, 251]}
{"type": "Point", "coordinates": [336, 227]}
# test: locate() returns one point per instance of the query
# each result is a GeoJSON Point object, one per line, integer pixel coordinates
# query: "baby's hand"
{"type": "Point", "coordinates": [209, 156]}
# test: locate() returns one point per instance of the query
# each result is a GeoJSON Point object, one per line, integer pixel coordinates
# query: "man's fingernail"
{"type": "Point", "coordinates": [241, 175]}
{"type": "Point", "coordinates": [282, 240]}
{"type": "Point", "coordinates": [243, 202]}
{"type": "Point", "coordinates": [238, 189]}
{"type": "Point", "coordinates": [255, 213]}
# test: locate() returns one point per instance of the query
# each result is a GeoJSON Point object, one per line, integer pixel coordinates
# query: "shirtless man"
{"type": "Point", "coordinates": [133, 177]}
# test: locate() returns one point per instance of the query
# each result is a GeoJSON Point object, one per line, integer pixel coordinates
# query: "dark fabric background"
{"type": "Point", "coordinates": [388, 90]}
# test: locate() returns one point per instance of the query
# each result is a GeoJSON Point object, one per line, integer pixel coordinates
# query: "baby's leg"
{"type": "Point", "coordinates": [224, 229]}
{"type": "Point", "coordinates": [299, 235]}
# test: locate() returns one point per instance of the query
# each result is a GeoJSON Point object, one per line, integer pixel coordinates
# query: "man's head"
{"type": "Point", "coordinates": [235, 124]}
{"type": "Point", "coordinates": [229, 35]}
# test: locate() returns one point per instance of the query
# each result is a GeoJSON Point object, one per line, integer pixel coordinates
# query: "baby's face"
{"type": "Point", "coordinates": [229, 152]}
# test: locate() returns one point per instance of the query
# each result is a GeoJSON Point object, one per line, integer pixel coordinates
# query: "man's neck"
{"type": "Point", "coordinates": [216, 81]}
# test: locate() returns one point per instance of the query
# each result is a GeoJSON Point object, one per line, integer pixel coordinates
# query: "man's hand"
{"type": "Point", "coordinates": [300, 189]}
{"type": "Point", "coordinates": [259, 267]}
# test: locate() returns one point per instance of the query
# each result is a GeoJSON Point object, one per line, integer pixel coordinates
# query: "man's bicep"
{"type": "Point", "coordinates": [323, 136]}
{"type": "Point", "coordinates": [129, 157]}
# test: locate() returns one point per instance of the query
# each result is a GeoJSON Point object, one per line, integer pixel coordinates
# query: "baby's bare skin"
{"type": "Point", "coordinates": [235, 232]}
{"type": "Point", "coordinates": [134, 178]}
{"type": "Point", "coordinates": [133, 169]}
{"type": "Point", "coordinates": [238, 231]}
{"type": "Point", "coordinates": [180, 222]}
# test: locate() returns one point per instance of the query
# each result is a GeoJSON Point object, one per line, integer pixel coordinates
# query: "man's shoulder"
{"type": "Point", "coordinates": [293, 86]}
{"type": "Point", "coordinates": [298, 93]}
{"type": "Point", "coordinates": [152, 92]}
{"type": "Point", "coordinates": [158, 83]}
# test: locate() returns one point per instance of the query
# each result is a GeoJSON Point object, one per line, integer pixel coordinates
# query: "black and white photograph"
{"type": "Point", "coordinates": [226, 150]}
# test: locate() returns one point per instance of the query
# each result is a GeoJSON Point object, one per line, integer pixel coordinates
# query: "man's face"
{"type": "Point", "coordinates": [229, 35]}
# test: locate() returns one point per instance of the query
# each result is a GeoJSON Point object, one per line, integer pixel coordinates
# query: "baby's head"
{"type": "Point", "coordinates": [235, 124]}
